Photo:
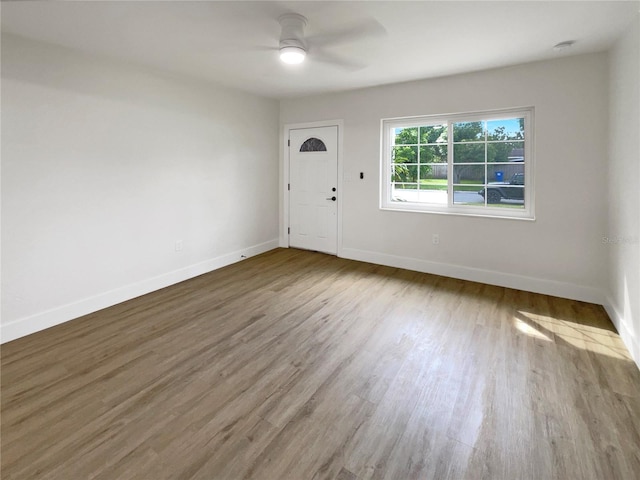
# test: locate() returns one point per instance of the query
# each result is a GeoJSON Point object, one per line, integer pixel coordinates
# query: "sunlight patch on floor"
{"type": "Point", "coordinates": [584, 337]}
{"type": "Point", "coordinates": [529, 330]}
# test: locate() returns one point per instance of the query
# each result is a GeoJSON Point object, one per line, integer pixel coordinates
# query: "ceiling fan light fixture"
{"type": "Point", "coordinates": [292, 55]}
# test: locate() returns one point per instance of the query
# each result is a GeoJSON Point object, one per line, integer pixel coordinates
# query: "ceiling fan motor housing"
{"type": "Point", "coordinates": [292, 30]}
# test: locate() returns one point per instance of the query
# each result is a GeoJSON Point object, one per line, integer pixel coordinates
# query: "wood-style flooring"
{"type": "Point", "coordinates": [298, 365]}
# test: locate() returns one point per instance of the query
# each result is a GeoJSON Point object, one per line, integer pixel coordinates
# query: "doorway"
{"type": "Point", "coordinates": [313, 188]}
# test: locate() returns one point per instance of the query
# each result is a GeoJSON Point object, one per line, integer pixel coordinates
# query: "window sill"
{"type": "Point", "coordinates": [528, 216]}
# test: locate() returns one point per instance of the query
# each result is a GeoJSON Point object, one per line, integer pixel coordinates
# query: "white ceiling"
{"type": "Point", "coordinates": [235, 43]}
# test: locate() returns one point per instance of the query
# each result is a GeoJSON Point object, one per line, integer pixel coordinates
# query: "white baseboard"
{"type": "Point", "coordinates": [627, 335]}
{"type": "Point", "coordinates": [40, 321]}
{"type": "Point", "coordinates": [519, 282]}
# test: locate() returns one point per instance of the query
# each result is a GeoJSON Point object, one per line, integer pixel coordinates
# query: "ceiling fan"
{"type": "Point", "coordinates": [294, 46]}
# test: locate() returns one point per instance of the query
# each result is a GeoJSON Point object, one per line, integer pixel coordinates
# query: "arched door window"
{"type": "Point", "coordinates": [313, 145]}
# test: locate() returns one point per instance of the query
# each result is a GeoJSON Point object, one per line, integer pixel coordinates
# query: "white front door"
{"type": "Point", "coordinates": [313, 183]}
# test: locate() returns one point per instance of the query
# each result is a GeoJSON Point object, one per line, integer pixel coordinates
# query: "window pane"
{"type": "Point", "coordinates": [510, 172]}
{"type": "Point", "coordinates": [430, 193]}
{"type": "Point", "coordinates": [468, 196]}
{"type": "Point", "coordinates": [505, 152]}
{"type": "Point", "coordinates": [501, 195]}
{"type": "Point", "coordinates": [433, 134]}
{"type": "Point", "coordinates": [405, 136]}
{"type": "Point", "coordinates": [405, 186]}
{"type": "Point", "coordinates": [404, 173]}
{"type": "Point", "coordinates": [470, 153]}
{"type": "Point", "coordinates": [408, 192]}
{"type": "Point", "coordinates": [470, 174]}
{"type": "Point", "coordinates": [508, 129]}
{"type": "Point", "coordinates": [468, 131]}
{"type": "Point", "coordinates": [435, 173]}
{"type": "Point", "coordinates": [404, 192]}
{"type": "Point", "coordinates": [404, 155]}
{"type": "Point", "coordinates": [433, 154]}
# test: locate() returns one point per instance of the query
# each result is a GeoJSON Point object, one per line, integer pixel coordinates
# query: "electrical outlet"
{"type": "Point", "coordinates": [179, 245]}
{"type": "Point", "coordinates": [435, 239]}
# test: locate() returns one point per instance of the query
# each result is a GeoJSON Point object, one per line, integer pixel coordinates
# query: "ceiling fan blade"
{"type": "Point", "coordinates": [265, 48]}
{"type": "Point", "coordinates": [359, 32]}
{"type": "Point", "coordinates": [240, 49]}
{"type": "Point", "coordinates": [335, 60]}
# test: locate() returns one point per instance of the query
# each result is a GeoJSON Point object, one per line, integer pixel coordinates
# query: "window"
{"type": "Point", "coordinates": [313, 145]}
{"type": "Point", "coordinates": [473, 164]}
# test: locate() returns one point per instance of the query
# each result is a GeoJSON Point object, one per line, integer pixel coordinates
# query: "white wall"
{"type": "Point", "coordinates": [623, 232]}
{"type": "Point", "coordinates": [106, 165]}
{"type": "Point", "coordinates": [559, 253]}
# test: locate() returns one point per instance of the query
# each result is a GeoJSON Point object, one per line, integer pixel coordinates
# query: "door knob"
{"type": "Point", "coordinates": [333, 199]}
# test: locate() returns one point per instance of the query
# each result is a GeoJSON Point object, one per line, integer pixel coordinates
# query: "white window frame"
{"type": "Point", "coordinates": [388, 124]}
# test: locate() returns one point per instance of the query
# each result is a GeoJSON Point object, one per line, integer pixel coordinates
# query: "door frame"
{"type": "Point", "coordinates": [284, 178]}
